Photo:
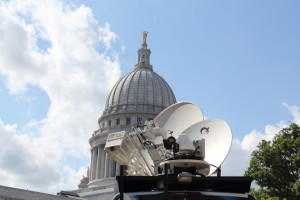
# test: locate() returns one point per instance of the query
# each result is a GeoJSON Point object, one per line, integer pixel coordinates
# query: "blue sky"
{"type": "Point", "coordinates": [238, 60]}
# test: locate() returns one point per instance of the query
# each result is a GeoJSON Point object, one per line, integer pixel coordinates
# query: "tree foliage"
{"type": "Point", "coordinates": [261, 194]}
{"type": "Point", "coordinates": [275, 165]}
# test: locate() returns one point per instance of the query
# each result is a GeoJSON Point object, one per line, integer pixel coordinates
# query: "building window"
{"type": "Point", "coordinates": [109, 123]}
{"type": "Point", "coordinates": [118, 121]}
{"type": "Point", "coordinates": [128, 120]}
{"type": "Point", "coordinates": [139, 121]}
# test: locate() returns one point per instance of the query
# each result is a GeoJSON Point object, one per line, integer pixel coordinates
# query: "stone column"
{"type": "Point", "coordinates": [106, 166]}
{"type": "Point", "coordinates": [110, 167]}
{"type": "Point", "coordinates": [94, 163]}
{"type": "Point", "coordinates": [113, 166]}
{"type": "Point", "coordinates": [98, 170]}
{"type": "Point", "coordinates": [117, 169]}
{"type": "Point", "coordinates": [91, 168]}
{"type": "Point", "coordinates": [102, 162]}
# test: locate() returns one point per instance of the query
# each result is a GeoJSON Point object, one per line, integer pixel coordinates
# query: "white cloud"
{"type": "Point", "coordinates": [75, 76]}
{"type": "Point", "coordinates": [18, 59]}
{"type": "Point", "coordinates": [239, 156]}
{"type": "Point", "coordinates": [294, 111]}
{"type": "Point", "coordinates": [237, 160]}
{"type": "Point", "coordinates": [22, 165]}
{"type": "Point", "coordinates": [106, 36]}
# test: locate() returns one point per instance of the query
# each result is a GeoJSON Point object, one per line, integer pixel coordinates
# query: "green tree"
{"type": "Point", "coordinates": [261, 194]}
{"type": "Point", "coordinates": [275, 165]}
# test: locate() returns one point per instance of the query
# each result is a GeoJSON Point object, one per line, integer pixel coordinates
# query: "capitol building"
{"type": "Point", "coordinates": [138, 96]}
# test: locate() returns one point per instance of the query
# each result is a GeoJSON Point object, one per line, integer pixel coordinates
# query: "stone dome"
{"type": "Point", "coordinates": [139, 91]}
{"type": "Point", "coordinates": [139, 95]}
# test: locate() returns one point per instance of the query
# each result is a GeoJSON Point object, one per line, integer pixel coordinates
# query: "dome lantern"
{"type": "Point", "coordinates": [144, 55]}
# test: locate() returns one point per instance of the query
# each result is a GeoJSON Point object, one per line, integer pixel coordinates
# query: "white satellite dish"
{"type": "Point", "coordinates": [179, 117]}
{"type": "Point", "coordinates": [218, 138]}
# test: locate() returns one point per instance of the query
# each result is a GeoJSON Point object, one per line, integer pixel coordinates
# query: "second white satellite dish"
{"type": "Point", "coordinates": [179, 117]}
{"type": "Point", "coordinates": [218, 138]}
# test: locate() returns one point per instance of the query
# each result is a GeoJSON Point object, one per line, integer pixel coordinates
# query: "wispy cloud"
{"type": "Point", "coordinates": [294, 111]}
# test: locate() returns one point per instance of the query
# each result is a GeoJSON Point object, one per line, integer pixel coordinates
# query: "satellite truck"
{"type": "Point", "coordinates": [177, 155]}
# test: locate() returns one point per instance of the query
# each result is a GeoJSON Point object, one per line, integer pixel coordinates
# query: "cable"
{"type": "Point", "coordinates": [116, 197]}
{"type": "Point", "coordinates": [146, 143]}
{"type": "Point", "coordinates": [218, 169]}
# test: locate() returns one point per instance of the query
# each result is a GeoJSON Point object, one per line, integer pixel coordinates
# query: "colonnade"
{"type": "Point", "coordinates": [102, 166]}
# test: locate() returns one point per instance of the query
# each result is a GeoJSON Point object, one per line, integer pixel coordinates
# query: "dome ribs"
{"type": "Point", "coordinates": [151, 100]}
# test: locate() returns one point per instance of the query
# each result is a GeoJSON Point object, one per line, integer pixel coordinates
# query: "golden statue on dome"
{"type": "Point", "coordinates": [145, 33]}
